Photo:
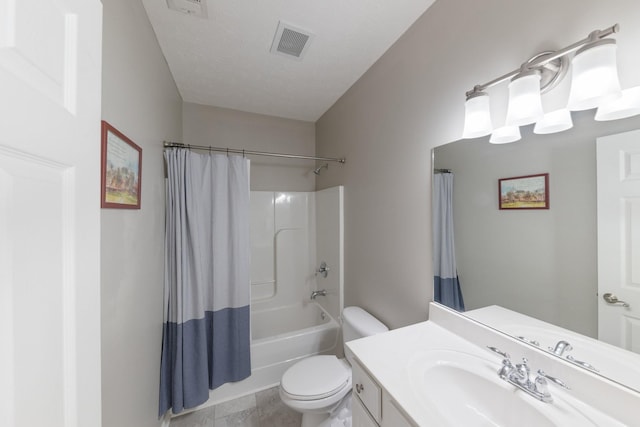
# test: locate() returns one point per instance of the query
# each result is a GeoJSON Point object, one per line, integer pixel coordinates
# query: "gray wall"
{"type": "Point", "coordinates": [141, 100]}
{"type": "Point", "coordinates": [542, 263]}
{"type": "Point", "coordinates": [412, 100]}
{"type": "Point", "coordinates": [221, 127]}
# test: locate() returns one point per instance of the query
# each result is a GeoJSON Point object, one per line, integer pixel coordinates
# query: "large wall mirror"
{"type": "Point", "coordinates": [542, 263]}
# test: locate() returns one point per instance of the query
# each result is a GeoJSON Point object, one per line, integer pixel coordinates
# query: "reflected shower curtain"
{"type": "Point", "coordinates": [206, 337]}
{"type": "Point", "coordinates": [446, 287]}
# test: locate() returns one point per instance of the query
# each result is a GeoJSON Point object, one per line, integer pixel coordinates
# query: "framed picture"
{"type": "Point", "coordinates": [524, 192]}
{"type": "Point", "coordinates": [121, 170]}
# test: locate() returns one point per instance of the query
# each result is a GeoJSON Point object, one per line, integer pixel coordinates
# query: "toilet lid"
{"type": "Point", "coordinates": [315, 377]}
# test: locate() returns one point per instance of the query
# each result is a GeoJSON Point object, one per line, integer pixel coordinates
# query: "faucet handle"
{"type": "Point", "coordinates": [542, 386]}
{"type": "Point", "coordinates": [506, 369]}
{"type": "Point", "coordinates": [523, 371]}
{"type": "Point", "coordinates": [555, 380]}
{"type": "Point", "coordinates": [500, 352]}
{"type": "Point", "coordinates": [324, 269]}
{"type": "Point", "coordinates": [525, 339]}
{"type": "Point", "coordinates": [586, 365]}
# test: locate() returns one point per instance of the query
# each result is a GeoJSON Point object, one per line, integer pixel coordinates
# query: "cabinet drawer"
{"type": "Point", "coordinates": [360, 416]}
{"type": "Point", "coordinates": [367, 391]}
{"type": "Point", "coordinates": [391, 415]}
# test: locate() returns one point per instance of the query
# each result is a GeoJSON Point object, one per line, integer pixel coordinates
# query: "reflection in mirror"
{"type": "Point", "coordinates": [446, 286]}
{"type": "Point", "coordinates": [588, 353]}
{"type": "Point", "coordinates": [540, 263]}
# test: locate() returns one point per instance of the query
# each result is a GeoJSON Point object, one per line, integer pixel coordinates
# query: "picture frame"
{"type": "Point", "coordinates": [524, 192]}
{"type": "Point", "coordinates": [121, 170]}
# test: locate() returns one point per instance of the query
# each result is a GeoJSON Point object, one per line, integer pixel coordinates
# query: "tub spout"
{"type": "Point", "coordinates": [322, 292]}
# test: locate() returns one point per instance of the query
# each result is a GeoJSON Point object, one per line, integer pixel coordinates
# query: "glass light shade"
{"type": "Point", "coordinates": [594, 76]}
{"type": "Point", "coordinates": [525, 103]}
{"type": "Point", "coordinates": [555, 121]}
{"type": "Point", "coordinates": [477, 116]}
{"type": "Point", "coordinates": [505, 134]}
{"type": "Point", "coordinates": [626, 106]}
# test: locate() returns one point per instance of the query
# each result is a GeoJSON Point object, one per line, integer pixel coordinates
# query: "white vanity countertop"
{"type": "Point", "coordinates": [388, 357]}
{"type": "Point", "coordinates": [392, 357]}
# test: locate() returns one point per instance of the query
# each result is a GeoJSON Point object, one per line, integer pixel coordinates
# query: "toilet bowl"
{"type": "Point", "coordinates": [317, 385]}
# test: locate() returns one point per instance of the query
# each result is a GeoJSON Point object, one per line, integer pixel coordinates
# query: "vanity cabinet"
{"type": "Point", "coordinates": [372, 406]}
{"type": "Point", "coordinates": [360, 417]}
{"type": "Point", "coordinates": [439, 372]}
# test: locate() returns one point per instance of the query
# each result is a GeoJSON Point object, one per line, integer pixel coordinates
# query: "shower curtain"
{"type": "Point", "coordinates": [446, 286]}
{"type": "Point", "coordinates": [206, 338]}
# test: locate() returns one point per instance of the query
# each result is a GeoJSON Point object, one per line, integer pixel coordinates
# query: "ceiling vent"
{"type": "Point", "coordinates": [290, 41]}
{"type": "Point", "coordinates": [189, 7]}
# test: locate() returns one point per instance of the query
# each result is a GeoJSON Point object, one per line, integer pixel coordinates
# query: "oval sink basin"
{"type": "Point", "coordinates": [461, 389]}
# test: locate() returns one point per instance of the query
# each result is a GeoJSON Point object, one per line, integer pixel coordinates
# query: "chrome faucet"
{"type": "Point", "coordinates": [560, 348]}
{"type": "Point", "coordinates": [322, 292]}
{"type": "Point", "coordinates": [520, 376]}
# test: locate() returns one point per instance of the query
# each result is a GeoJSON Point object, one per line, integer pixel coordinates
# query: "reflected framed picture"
{"type": "Point", "coordinates": [524, 192]}
{"type": "Point", "coordinates": [121, 170]}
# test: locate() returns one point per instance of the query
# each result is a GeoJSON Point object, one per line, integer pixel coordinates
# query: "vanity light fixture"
{"type": "Point", "coordinates": [477, 120]}
{"type": "Point", "coordinates": [594, 76]}
{"type": "Point", "coordinates": [525, 102]}
{"type": "Point", "coordinates": [626, 106]}
{"type": "Point", "coordinates": [594, 84]}
{"type": "Point", "coordinates": [505, 135]}
{"type": "Point", "coordinates": [554, 121]}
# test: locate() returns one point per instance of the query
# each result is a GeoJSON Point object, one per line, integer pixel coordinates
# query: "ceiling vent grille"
{"type": "Point", "coordinates": [189, 7]}
{"type": "Point", "coordinates": [290, 41]}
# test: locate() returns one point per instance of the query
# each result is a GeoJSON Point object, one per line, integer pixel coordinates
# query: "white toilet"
{"type": "Point", "coordinates": [317, 385]}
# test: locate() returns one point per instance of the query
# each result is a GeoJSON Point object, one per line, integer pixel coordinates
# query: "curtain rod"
{"type": "Point", "coordinates": [169, 144]}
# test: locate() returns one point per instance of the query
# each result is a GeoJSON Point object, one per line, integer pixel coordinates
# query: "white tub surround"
{"type": "Point", "coordinates": [398, 363]}
{"type": "Point", "coordinates": [291, 234]}
{"type": "Point", "coordinates": [330, 248]}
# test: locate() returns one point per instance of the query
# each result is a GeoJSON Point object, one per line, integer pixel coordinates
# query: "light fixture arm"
{"type": "Point", "coordinates": [592, 37]}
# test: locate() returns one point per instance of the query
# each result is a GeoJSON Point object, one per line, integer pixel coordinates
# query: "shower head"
{"type": "Point", "coordinates": [317, 170]}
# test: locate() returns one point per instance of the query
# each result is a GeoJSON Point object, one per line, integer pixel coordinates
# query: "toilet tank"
{"type": "Point", "coordinates": [357, 323]}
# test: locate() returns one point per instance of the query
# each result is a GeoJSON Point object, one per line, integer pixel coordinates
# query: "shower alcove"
{"type": "Point", "coordinates": [291, 234]}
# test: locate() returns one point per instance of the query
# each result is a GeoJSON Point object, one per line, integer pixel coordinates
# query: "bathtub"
{"type": "Point", "coordinates": [280, 337]}
{"type": "Point", "coordinates": [289, 333]}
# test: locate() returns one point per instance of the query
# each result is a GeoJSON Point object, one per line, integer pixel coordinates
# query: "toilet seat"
{"type": "Point", "coordinates": [316, 377]}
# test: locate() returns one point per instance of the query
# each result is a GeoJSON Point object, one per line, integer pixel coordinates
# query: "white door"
{"type": "Point", "coordinates": [50, 70]}
{"type": "Point", "coordinates": [618, 172]}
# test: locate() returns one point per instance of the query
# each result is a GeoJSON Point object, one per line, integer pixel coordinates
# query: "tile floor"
{"type": "Point", "coordinates": [262, 409]}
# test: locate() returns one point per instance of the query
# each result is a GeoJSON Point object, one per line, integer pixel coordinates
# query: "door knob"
{"type": "Point", "coordinates": [612, 299]}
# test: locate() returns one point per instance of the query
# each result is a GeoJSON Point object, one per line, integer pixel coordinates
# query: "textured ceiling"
{"type": "Point", "coordinates": [225, 60]}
